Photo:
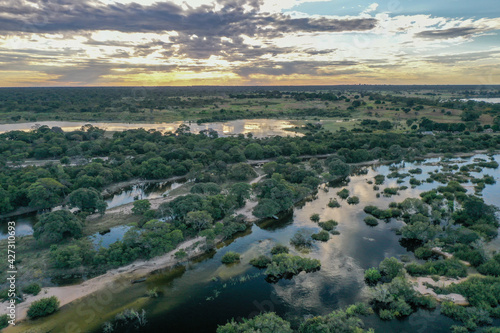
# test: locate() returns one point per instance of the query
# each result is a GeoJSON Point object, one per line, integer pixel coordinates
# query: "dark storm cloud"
{"type": "Point", "coordinates": [231, 20]}
{"type": "Point", "coordinates": [449, 33]}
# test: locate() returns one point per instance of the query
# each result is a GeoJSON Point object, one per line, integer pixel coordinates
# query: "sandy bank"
{"type": "Point", "coordinates": [421, 285]}
{"type": "Point", "coordinates": [125, 274]}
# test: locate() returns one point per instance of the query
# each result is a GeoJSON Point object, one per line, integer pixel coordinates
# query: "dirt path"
{"type": "Point", "coordinates": [127, 273]}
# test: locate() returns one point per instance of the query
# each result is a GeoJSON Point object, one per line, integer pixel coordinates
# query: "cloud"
{"type": "Point", "coordinates": [313, 68]}
{"type": "Point", "coordinates": [450, 33]}
{"type": "Point", "coordinates": [463, 57]}
{"type": "Point", "coordinates": [231, 20]}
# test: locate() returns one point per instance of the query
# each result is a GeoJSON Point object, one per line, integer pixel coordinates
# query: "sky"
{"type": "Point", "coordinates": [248, 42]}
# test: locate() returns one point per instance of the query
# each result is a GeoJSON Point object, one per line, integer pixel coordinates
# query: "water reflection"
{"type": "Point", "coordinates": [199, 296]}
{"type": "Point", "coordinates": [258, 127]}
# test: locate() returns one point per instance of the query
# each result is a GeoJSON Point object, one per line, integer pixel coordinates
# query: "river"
{"type": "Point", "coordinates": [258, 127]}
{"type": "Point", "coordinates": [199, 295]}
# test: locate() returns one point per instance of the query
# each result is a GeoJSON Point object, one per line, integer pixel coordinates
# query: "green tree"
{"type": "Point", "coordinates": [155, 168]}
{"type": "Point", "coordinates": [88, 200]}
{"type": "Point", "coordinates": [141, 207]}
{"type": "Point", "coordinates": [266, 208]}
{"type": "Point", "coordinates": [199, 220]}
{"type": "Point", "coordinates": [55, 226]}
{"type": "Point", "coordinates": [241, 171]}
{"type": "Point", "coordinates": [390, 268]}
{"type": "Point", "coordinates": [241, 192]}
{"type": "Point", "coordinates": [45, 193]}
{"type": "Point", "coordinates": [5, 205]}
{"type": "Point", "coordinates": [254, 151]}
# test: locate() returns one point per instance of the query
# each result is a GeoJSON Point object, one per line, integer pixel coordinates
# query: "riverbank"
{"type": "Point", "coordinates": [119, 277]}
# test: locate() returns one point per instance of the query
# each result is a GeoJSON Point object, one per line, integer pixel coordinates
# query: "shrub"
{"type": "Point", "coordinates": [152, 293]}
{"type": "Point", "coordinates": [33, 289]}
{"type": "Point", "coordinates": [301, 239]}
{"type": "Point", "coordinates": [260, 261]}
{"type": "Point", "coordinates": [278, 248]}
{"type": "Point", "coordinates": [371, 221]}
{"type": "Point", "coordinates": [322, 236]}
{"type": "Point", "coordinates": [315, 218]}
{"type": "Point", "coordinates": [343, 194]}
{"type": "Point", "coordinates": [230, 257]}
{"type": "Point", "coordinates": [386, 315]}
{"type": "Point", "coordinates": [449, 268]}
{"type": "Point", "coordinates": [353, 200]}
{"type": "Point", "coordinates": [391, 190]}
{"type": "Point", "coordinates": [43, 307]}
{"type": "Point", "coordinates": [379, 179]}
{"type": "Point", "coordinates": [181, 254]}
{"type": "Point", "coordinates": [283, 265]}
{"type": "Point", "coordinates": [390, 267]}
{"type": "Point", "coordinates": [333, 203]}
{"type": "Point", "coordinates": [372, 275]}
{"type": "Point", "coordinates": [328, 225]}
{"type": "Point", "coordinates": [423, 253]}
{"type": "Point", "coordinates": [4, 321]}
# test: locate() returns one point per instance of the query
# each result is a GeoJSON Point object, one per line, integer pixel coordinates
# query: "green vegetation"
{"type": "Point", "coordinates": [343, 194]}
{"type": "Point", "coordinates": [371, 221]}
{"type": "Point", "coordinates": [328, 225]}
{"type": "Point", "coordinates": [354, 200]}
{"type": "Point", "coordinates": [301, 238]}
{"type": "Point", "coordinates": [449, 268]}
{"type": "Point", "coordinates": [286, 265]}
{"type": "Point", "coordinates": [230, 257]}
{"type": "Point", "coordinates": [4, 321]}
{"type": "Point", "coordinates": [342, 320]}
{"type": "Point", "coordinates": [322, 236]}
{"type": "Point", "coordinates": [315, 218]}
{"type": "Point", "coordinates": [33, 289]}
{"type": "Point", "coordinates": [390, 127]}
{"type": "Point", "coordinates": [261, 261]}
{"type": "Point", "coordinates": [87, 200]}
{"type": "Point", "coordinates": [333, 203]}
{"type": "Point", "coordinates": [55, 226]}
{"type": "Point", "coordinates": [141, 207]}
{"type": "Point", "coordinates": [43, 307]}
{"type": "Point", "coordinates": [278, 249]}
{"type": "Point", "coordinates": [267, 322]}
{"type": "Point", "coordinates": [372, 275]}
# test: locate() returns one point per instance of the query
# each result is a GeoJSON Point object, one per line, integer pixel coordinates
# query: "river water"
{"type": "Point", "coordinates": [258, 127]}
{"type": "Point", "coordinates": [197, 296]}
{"type": "Point", "coordinates": [148, 190]}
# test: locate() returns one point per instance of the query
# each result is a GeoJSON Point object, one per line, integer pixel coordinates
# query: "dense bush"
{"type": "Point", "coordinates": [449, 268]}
{"type": "Point", "coordinates": [278, 248]}
{"type": "Point", "coordinates": [372, 275]}
{"type": "Point", "coordinates": [322, 236]}
{"type": "Point", "coordinates": [371, 221]}
{"type": "Point", "coordinates": [4, 321]}
{"type": "Point", "coordinates": [267, 322]}
{"type": "Point", "coordinates": [55, 226]}
{"type": "Point", "coordinates": [328, 225]}
{"type": "Point", "coordinates": [261, 261]}
{"type": "Point", "coordinates": [230, 257]}
{"type": "Point", "coordinates": [33, 289]}
{"type": "Point", "coordinates": [43, 307]}
{"type": "Point", "coordinates": [354, 200]}
{"type": "Point", "coordinates": [287, 265]}
{"type": "Point", "coordinates": [302, 238]}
